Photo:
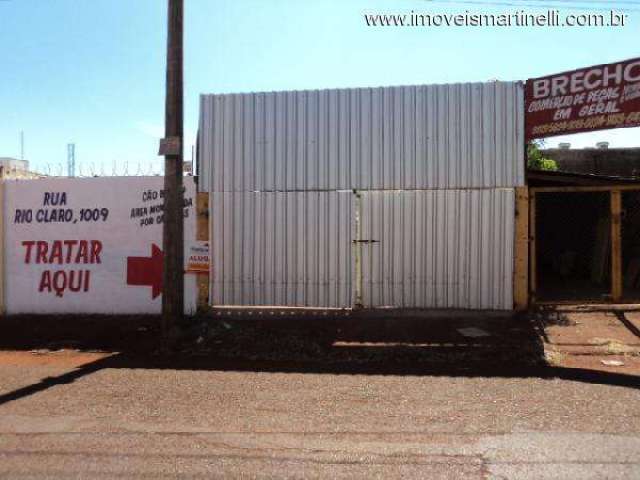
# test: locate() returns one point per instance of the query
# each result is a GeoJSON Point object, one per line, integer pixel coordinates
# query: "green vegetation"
{"type": "Point", "coordinates": [536, 161]}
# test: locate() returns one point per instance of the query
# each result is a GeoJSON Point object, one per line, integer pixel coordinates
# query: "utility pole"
{"type": "Point", "coordinates": [171, 148]}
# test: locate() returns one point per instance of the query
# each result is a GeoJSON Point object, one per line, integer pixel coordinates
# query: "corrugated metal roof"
{"type": "Point", "coordinates": [433, 136]}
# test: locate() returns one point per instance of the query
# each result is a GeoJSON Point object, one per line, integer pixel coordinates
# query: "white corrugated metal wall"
{"type": "Point", "coordinates": [282, 248]}
{"type": "Point", "coordinates": [438, 248]}
{"type": "Point", "coordinates": [434, 136]}
{"type": "Point", "coordinates": [280, 167]}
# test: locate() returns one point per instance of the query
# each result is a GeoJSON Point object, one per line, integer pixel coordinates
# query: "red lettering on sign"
{"type": "Point", "coordinates": [96, 248]}
{"type": "Point", "coordinates": [83, 252]}
{"type": "Point", "coordinates": [27, 254]}
{"type": "Point", "coordinates": [605, 91]}
{"type": "Point", "coordinates": [45, 282]}
{"type": "Point", "coordinates": [59, 281]}
{"type": "Point", "coordinates": [69, 244]}
{"type": "Point", "coordinates": [63, 251]}
{"type": "Point", "coordinates": [56, 253]}
{"type": "Point", "coordinates": [43, 248]}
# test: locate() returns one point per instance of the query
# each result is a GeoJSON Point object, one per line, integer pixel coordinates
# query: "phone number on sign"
{"type": "Point", "coordinates": [611, 121]}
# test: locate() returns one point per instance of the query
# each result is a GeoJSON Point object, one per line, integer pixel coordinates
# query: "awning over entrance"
{"type": "Point", "coordinates": [540, 178]}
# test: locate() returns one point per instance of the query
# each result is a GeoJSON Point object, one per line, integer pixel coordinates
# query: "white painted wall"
{"type": "Point", "coordinates": [117, 233]}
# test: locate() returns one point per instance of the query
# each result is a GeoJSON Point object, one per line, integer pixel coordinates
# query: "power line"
{"type": "Point", "coordinates": [583, 4]}
{"type": "Point", "coordinates": [586, 2]}
{"type": "Point", "coordinates": [546, 5]}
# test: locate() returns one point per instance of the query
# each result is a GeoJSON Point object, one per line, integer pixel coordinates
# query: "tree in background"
{"type": "Point", "coordinates": [535, 159]}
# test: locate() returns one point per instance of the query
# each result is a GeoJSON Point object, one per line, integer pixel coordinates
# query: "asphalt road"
{"type": "Point", "coordinates": [392, 399]}
{"type": "Point", "coordinates": [119, 421]}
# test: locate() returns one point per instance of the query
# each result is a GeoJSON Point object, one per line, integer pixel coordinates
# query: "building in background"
{"type": "Point", "coordinates": [15, 168]}
{"type": "Point", "coordinates": [599, 160]}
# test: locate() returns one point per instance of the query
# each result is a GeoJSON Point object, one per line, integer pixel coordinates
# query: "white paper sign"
{"type": "Point", "coordinates": [89, 245]}
{"type": "Point", "coordinates": [198, 260]}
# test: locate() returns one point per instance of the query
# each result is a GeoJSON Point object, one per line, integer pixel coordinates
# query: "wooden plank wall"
{"type": "Point", "coordinates": [616, 246]}
{"type": "Point", "coordinates": [521, 254]}
{"type": "Point", "coordinates": [202, 234]}
{"type": "Point", "coordinates": [532, 247]}
{"type": "Point", "coordinates": [2, 226]}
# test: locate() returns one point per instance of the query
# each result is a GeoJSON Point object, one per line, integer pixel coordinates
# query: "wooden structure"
{"type": "Point", "coordinates": [559, 182]}
{"type": "Point", "coordinates": [2, 271]}
{"type": "Point", "coordinates": [202, 234]}
{"type": "Point", "coordinates": [521, 253]}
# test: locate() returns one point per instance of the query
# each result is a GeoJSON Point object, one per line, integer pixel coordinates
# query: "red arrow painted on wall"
{"type": "Point", "coordinates": [146, 271]}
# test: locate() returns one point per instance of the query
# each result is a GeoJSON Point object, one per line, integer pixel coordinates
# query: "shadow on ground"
{"type": "Point", "coordinates": [387, 340]}
{"type": "Point", "coordinates": [336, 343]}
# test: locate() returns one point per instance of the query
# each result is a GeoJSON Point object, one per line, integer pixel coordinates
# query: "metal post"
{"type": "Point", "coordinates": [521, 250]}
{"type": "Point", "coordinates": [71, 159]}
{"type": "Point", "coordinates": [533, 262]}
{"type": "Point", "coordinates": [171, 148]}
{"type": "Point", "coordinates": [357, 250]}
{"type": "Point", "coordinates": [2, 266]}
{"type": "Point", "coordinates": [616, 246]}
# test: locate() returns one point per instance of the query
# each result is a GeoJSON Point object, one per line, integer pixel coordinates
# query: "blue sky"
{"type": "Point", "coordinates": [92, 71]}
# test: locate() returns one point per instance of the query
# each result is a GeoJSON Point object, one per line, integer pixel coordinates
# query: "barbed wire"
{"type": "Point", "coordinates": [86, 170]}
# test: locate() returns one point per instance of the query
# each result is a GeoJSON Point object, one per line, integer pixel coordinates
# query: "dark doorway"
{"type": "Point", "coordinates": [573, 246]}
{"type": "Point", "coordinates": [630, 222]}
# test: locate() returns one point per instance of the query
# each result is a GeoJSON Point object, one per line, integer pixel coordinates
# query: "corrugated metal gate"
{"type": "Point", "coordinates": [428, 171]}
{"type": "Point", "coordinates": [438, 248]}
{"type": "Point", "coordinates": [282, 248]}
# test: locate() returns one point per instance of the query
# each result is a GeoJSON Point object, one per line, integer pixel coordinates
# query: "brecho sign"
{"type": "Point", "coordinates": [593, 98]}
